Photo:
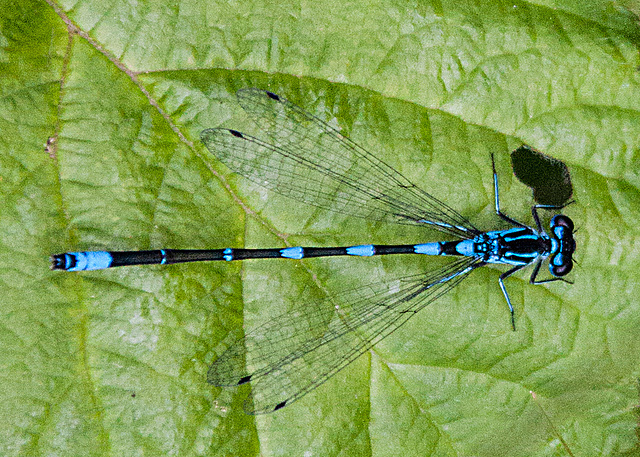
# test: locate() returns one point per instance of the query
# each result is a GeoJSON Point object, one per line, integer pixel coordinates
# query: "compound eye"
{"type": "Point", "coordinates": [559, 266]}
{"type": "Point", "coordinates": [560, 220]}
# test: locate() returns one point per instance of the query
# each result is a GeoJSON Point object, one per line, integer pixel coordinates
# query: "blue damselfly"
{"type": "Point", "coordinates": [306, 159]}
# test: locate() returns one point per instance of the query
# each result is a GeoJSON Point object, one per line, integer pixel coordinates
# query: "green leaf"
{"type": "Point", "coordinates": [114, 362]}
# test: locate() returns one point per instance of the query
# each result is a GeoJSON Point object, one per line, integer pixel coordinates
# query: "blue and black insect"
{"type": "Point", "coordinates": [306, 159]}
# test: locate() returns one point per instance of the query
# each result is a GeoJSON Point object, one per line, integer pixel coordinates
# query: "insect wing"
{"type": "Point", "coordinates": [296, 352]}
{"type": "Point", "coordinates": [306, 159]}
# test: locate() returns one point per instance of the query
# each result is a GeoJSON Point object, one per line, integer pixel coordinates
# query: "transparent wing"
{"type": "Point", "coordinates": [296, 352]}
{"type": "Point", "coordinates": [306, 159]}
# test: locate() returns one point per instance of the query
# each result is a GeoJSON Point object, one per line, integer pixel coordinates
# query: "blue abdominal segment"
{"type": "Point", "coordinates": [86, 261]}
{"type": "Point", "coordinates": [365, 250]}
{"type": "Point", "coordinates": [292, 253]}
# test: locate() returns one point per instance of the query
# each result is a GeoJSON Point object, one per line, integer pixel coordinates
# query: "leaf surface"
{"type": "Point", "coordinates": [101, 107]}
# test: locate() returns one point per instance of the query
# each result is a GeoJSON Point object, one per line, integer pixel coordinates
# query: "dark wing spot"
{"type": "Point", "coordinates": [235, 133]}
{"type": "Point", "coordinates": [280, 405]}
{"type": "Point", "coordinates": [244, 380]}
{"type": "Point", "coordinates": [273, 96]}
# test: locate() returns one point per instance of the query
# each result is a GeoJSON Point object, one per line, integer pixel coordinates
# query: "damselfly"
{"type": "Point", "coordinates": [306, 159]}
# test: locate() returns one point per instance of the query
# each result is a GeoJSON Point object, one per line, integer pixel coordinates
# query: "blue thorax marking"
{"type": "Point", "coordinates": [228, 254]}
{"type": "Point", "coordinates": [515, 246]}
